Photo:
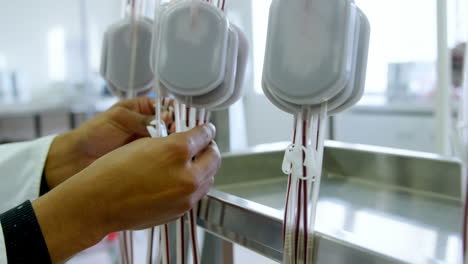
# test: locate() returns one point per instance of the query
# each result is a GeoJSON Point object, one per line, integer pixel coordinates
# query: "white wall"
{"type": "Point", "coordinates": [24, 28]}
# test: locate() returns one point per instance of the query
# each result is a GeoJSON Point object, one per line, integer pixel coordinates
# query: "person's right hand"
{"type": "Point", "coordinates": [148, 182]}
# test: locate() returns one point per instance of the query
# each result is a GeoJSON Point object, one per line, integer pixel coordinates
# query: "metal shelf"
{"type": "Point", "coordinates": [377, 205]}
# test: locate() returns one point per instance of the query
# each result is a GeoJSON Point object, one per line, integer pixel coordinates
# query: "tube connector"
{"type": "Point", "coordinates": [296, 157]}
{"type": "Point", "coordinates": [156, 130]}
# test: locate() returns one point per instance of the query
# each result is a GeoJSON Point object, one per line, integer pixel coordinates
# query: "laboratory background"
{"type": "Point", "coordinates": [393, 179]}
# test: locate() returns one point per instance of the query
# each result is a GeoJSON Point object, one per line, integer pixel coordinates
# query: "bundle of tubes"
{"type": "Point", "coordinates": [135, 10]}
{"type": "Point", "coordinates": [124, 44]}
{"type": "Point", "coordinates": [193, 108]}
{"type": "Point", "coordinates": [306, 76]}
{"type": "Point", "coordinates": [303, 164]}
{"type": "Point", "coordinates": [133, 45]}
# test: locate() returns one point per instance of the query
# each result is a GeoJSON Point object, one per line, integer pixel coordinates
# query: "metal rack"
{"type": "Point", "coordinates": [377, 205]}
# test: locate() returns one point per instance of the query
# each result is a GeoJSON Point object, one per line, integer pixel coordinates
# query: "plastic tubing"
{"type": "Point", "coordinates": [180, 247]}
{"type": "Point", "coordinates": [127, 236]}
{"type": "Point", "coordinates": [193, 121]}
{"type": "Point", "coordinates": [303, 186]}
{"type": "Point", "coordinates": [187, 118]}
{"type": "Point", "coordinates": [289, 244]}
{"type": "Point", "coordinates": [135, 14]}
{"type": "Point", "coordinates": [318, 140]}
{"type": "Point", "coordinates": [163, 234]}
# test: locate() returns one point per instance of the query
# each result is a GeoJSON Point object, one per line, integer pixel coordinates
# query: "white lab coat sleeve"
{"type": "Point", "coordinates": [21, 170]}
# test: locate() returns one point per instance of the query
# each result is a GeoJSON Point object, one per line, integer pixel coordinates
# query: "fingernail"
{"type": "Point", "coordinates": [212, 128]}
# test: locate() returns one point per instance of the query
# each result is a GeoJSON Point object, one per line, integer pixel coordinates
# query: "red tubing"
{"type": "Point", "coordinates": [187, 116]}
{"type": "Point", "coordinates": [304, 170]}
{"type": "Point", "coordinates": [151, 245]}
{"type": "Point", "coordinates": [194, 238]}
{"type": "Point", "coordinates": [286, 209]}
{"type": "Point", "coordinates": [125, 251]}
{"type": "Point", "coordinates": [131, 246]}
{"type": "Point", "coordinates": [198, 121]}
{"type": "Point", "coordinates": [182, 223]}
{"type": "Point", "coordinates": [289, 188]}
{"type": "Point", "coordinates": [168, 253]}
{"type": "Point", "coordinates": [298, 221]}
{"type": "Point", "coordinates": [306, 234]}
{"type": "Point", "coordinates": [182, 234]}
{"type": "Point", "coordinates": [223, 5]}
{"type": "Point", "coordinates": [318, 133]}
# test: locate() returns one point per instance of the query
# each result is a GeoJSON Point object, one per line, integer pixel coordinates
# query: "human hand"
{"type": "Point", "coordinates": [123, 123]}
{"type": "Point", "coordinates": [146, 183]}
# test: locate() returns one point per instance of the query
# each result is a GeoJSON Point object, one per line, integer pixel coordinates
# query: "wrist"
{"type": "Point", "coordinates": [63, 159]}
{"type": "Point", "coordinates": [69, 221]}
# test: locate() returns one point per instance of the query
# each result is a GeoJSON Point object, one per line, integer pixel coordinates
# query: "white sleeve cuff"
{"type": "Point", "coordinates": [21, 170]}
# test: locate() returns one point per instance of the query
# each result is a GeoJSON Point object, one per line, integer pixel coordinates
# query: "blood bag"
{"type": "Point", "coordinates": [345, 93]}
{"type": "Point", "coordinates": [242, 57]}
{"type": "Point", "coordinates": [193, 58]}
{"type": "Point", "coordinates": [226, 88]}
{"type": "Point", "coordinates": [192, 47]}
{"type": "Point", "coordinates": [353, 90]}
{"type": "Point", "coordinates": [361, 66]}
{"type": "Point", "coordinates": [308, 57]}
{"type": "Point", "coordinates": [117, 57]}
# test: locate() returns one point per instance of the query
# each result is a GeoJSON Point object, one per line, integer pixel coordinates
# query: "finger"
{"type": "Point", "coordinates": [196, 140]}
{"type": "Point", "coordinates": [142, 105]}
{"type": "Point", "coordinates": [203, 189]}
{"type": "Point", "coordinates": [129, 121]}
{"type": "Point", "coordinates": [208, 161]}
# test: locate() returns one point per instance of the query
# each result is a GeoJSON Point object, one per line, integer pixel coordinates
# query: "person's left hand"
{"type": "Point", "coordinates": [123, 123]}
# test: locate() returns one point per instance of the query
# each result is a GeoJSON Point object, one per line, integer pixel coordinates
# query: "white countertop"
{"type": "Point", "coordinates": [378, 106]}
{"type": "Point", "coordinates": [34, 108]}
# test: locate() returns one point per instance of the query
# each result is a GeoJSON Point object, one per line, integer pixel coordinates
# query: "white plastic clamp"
{"type": "Point", "coordinates": [156, 130]}
{"type": "Point", "coordinates": [293, 162]}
